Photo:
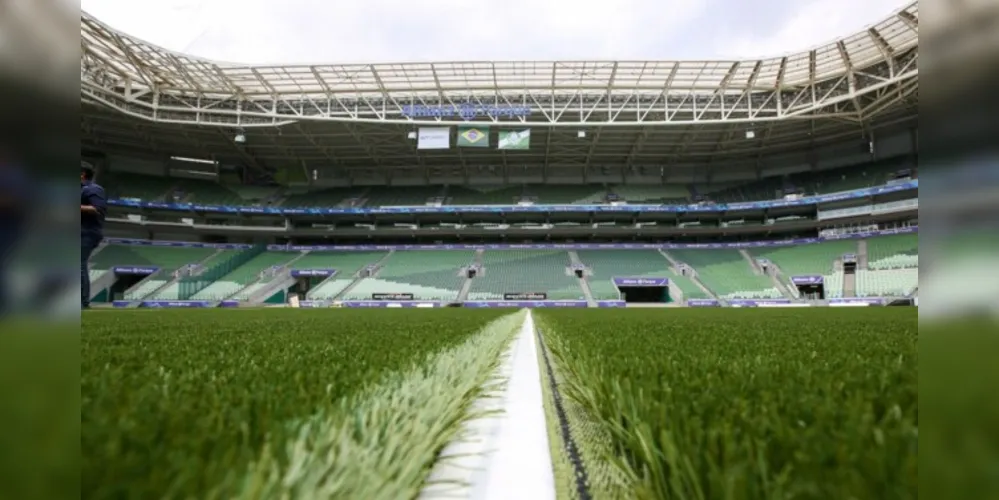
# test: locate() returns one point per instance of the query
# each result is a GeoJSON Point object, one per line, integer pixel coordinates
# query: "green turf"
{"type": "Point", "coordinates": [177, 403]}
{"type": "Point", "coordinates": [742, 404]}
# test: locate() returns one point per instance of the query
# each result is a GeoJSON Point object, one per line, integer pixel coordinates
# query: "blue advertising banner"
{"type": "Point", "coordinates": [312, 272]}
{"type": "Point", "coordinates": [703, 303]}
{"type": "Point", "coordinates": [135, 270]}
{"type": "Point", "coordinates": [313, 304]}
{"type": "Point", "coordinates": [465, 111]}
{"type": "Point", "coordinates": [155, 304]}
{"type": "Point", "coordinates": [525, 303]}
{"type": "Point", "coordinates": [611, 303]}
{"type": "Point", "coordinates": [641, 282]}
{"type": "Point", "coordinates": [451, 209]}
{"type": "Point", "coordinates": [807, 280]}
{"type": "Point", "coordinates": [863, 301]}
{"type": "Point", "coordinates": [386, 303]}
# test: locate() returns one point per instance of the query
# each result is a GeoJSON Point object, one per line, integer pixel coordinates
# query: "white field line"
{"type": "Point", "coordinates": [506, 454]}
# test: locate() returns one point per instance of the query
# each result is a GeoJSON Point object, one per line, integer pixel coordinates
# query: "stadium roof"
{"type": "Point", "coordinates": [633, 110]}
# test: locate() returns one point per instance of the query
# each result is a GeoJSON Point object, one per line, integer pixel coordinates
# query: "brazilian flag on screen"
{"type": "Point", "coordinates": [473, 137]}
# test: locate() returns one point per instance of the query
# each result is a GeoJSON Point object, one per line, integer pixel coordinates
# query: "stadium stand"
{"type": "Point", "coordinates": [206, 192]}
{"type": "Point", "coordinates": [427, 274]}
{"type": "Point", "coordinates": [687, 286]}
{"type": "Point", "coordinates": [167, 259]}
{"type": "Point", "coordinates": [402, 195]}
{"type": "Point", "coordinates": [483, 195]}
{"type": "Point", "coordinates": [143, 187]}
{"type": "Point", "coordinates": [887, 282]}
{"type": "Point", "coordinates": [347, 265]}
{"type": "Point", "coordinates": [804, 260]}
{"type": "Point", "coordinates": [323, 198]}
{"type": "Point", "coordinates": [563, 194]}
{"type": "Point", "coordinates": [154, 188]}
{"type": "Point", "coordinates": [727, 274]}
{"type": "Point", "coordinates": [652, 194]}
{"type": "Point", "coordinates": [893, 252]}
{"type": "Point", "coordinates": [525, 271]}
{"type": "Point", "coordinates": [814, 259]}
{"type": "Point", "coordinates": [833, 285]}
{"type": "Point", "coordinates": [821, 182]}
{"type": "Point", "coordinates": [241, 278]}
{"type": "Point", "coordinates": [606, 264]}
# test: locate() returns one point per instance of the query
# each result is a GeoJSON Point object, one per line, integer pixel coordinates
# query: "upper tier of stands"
{"type": "Point", "coordinates": [820, 182]}
{"type": "Point", "coordinates": [125, 185]}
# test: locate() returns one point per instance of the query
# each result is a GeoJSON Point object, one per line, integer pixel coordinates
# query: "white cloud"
{"type": "Point", "coordinates": [310, 31]}
{"type": "Point", "coordinates": [808, 24]}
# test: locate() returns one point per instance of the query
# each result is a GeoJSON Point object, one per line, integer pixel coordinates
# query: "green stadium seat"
{"type": "Point", "coordinates": [803, 260]}
{"type": "Point", "coordinates": [887, 283]}
{"type": "Point", "coordinates": [484, 195]}
{"type": "Point", "coordinates": [606, 264]}
{"type": "Point", "coordinates": [243, 276]}
{"type": "Point", "coordinates": [677, 194]}
{"type": "Point", "coordinates": [556, 194]}
{"type": "Point", "coordinates": [525, 271]}
{"type": "Point", "coordinates": [333, 197]}
{"type": "Point", "coordinates": [207, 192]}
{"type": "Point", "coordinates": [402, 195]}
{"type": "Point", "coordinates": [893, 252]}
{"type": "Point", "coordinates": [427, 274]}
{"type": "Point", "coordinates": [143, 187]}
{"type": "Point", "coordinates": [727, 274]}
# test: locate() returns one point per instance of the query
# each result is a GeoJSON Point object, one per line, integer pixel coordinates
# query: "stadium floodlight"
{"type": "Point", "coordinates": [411, 135]}
{"type": "Point", "coordinates": [240, 139]}
{"type": "Point", "coordinates": [750, 134]}
{"type": "Point", "coordinates": [194, 160]}
{"type": "Point", "coordinates": [581, 134]}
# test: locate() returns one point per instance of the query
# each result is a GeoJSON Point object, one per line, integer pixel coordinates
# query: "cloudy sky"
{"type": "Point", "coordinates": [345, 31]}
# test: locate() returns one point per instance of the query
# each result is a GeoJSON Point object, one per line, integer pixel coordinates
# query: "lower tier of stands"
{"type": "Point", "coordinates": [728, 274]}
{"type": "Point", "coordinates": [893, 252]}
{"type": "Point", "coordinates": [887, 283]}
{"type": "Point", "coordinates": [526, 271]}
{"type": "Point", "coordinates": [439, 275]}
{"type": "Point", "coordinates": [427, 274]}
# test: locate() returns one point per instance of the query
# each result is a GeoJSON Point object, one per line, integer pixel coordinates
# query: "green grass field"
{"type": "Point", "coordinates": [680, 404]}
{"type": "Point", "coordinates": [207, 403]}
{"type": "Point", "coordinates": [741, 404]}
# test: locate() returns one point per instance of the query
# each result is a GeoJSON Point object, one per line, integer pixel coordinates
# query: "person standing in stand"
{"type": "Point", "coordinates": [93, 208]}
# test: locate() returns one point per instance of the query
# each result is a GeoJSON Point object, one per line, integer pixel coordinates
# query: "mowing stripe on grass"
{"type": "Point", "coordinates": [382, 444]}
{"type": "Point", "coordinates": [505, 453]}
{"type": "Point", "coordinates": [571, 448]}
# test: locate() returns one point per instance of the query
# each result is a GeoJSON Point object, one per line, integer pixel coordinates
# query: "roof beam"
{"type": "Point", "coordinates": [879, 41]}
{"type": "Point", "coordinates": [851, 76]}
{"type": "Point", "coordinates": [812, 64]}
{"type": "Point", "coordinates": [263, 82]}
{"type": "Point", "coordinates": [911, 21]}
{"type": "Point", "coordinates": [755, 75]}
{"type": "Point", "coordinates": [781, 72]}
